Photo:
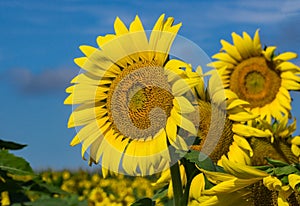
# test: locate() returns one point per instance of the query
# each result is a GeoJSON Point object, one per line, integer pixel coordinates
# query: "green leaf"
{"type": "Point", "coordinates": [285, 170]}
{"type": "Point", "coordinates": [263, 167]}
{"type": "Point", "coordinates": [285, 180]}
{"type": "Point", "coordinates": [11, 145]}
{"type": "Point", "coordinates": [14, 165]}
{"type": "Point", "coordinates": [46, 188]}
{"type": "Point", "coordinates": [161, 193]}
{"type": "Point", "coordinates": [47, 202]}
{"type": "Point", "coordinates": [144, 202]}
{"type": "Point", "coordinates": [276, 163]}
{"type": "Point", "coordinates": [71, 200]}
{"type": "Point", "coordinates": [201, 160]}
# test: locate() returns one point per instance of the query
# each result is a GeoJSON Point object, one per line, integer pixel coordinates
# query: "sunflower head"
{"type": "Point", "coordinates": [258, 76]}
{"type": "Point", "coordinates": [280, 145]}
{"type": "Point", "coordinates": [132, 101]}
{"type": "Point", "coordinates": [241, 184]}
{"type": "Point", "coordinates": [220, 111]}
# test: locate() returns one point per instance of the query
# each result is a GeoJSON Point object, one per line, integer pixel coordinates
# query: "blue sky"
{"type": "Point", "coordinates": [39, 39]}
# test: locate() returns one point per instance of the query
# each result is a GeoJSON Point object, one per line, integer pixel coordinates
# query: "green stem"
{"type": "Point", "coordinates": [191, 172]}
{"type": "Point", "coordinates": [177, 186]}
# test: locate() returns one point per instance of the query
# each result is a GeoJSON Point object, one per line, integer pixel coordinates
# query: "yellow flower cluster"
{"type": "Point", "coordinates": [118, 190]}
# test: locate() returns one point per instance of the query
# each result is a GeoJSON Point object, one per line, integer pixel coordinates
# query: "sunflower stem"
{"type": "Point", "coordinates": [177, 185]}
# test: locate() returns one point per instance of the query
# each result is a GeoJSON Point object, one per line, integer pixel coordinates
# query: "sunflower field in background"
{"type": "Point", "coordinates": [166, 132]}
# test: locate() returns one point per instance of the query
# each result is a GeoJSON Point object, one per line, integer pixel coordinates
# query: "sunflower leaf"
{"type": "Point", "coordinates": [285, 180]}
{"type": "Point", "coordinates": [201, 160]}
{"type": "Point", "coordinates": [263, 167]}
{"type": "Point", "coordinates": [40, 186]}
{"type": "Point", "coordinates": [144, 202]}
{"type": "Point", "coordinates": [276, 163]}
{"type": "Point", "coordinates": [14, 165]}
{"type": "Point", "coordinates": [11, 145]}
{"type": "Point", "coordinates": [161, 193]}
{"type": "Point", "coordinates": [285, 170]}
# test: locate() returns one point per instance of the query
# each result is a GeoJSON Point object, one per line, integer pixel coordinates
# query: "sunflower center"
{"type": "Point", "coordinates": [256, 81]}
{"type": "Point", "coordinates": [140, 101]}
{"type": "Point", "coordinates": [144, 101]}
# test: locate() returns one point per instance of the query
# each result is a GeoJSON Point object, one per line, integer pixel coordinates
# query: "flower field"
{"type": "Point", "coordinates": [95, 190]}
{"type": "Point", "coordinates": [19, 185]}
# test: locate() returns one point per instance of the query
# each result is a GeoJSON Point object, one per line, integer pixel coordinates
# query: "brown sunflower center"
{"type": "Point", "coordinates": [144, 101]}
{"type": "Point", "coordinates": [255, 81]}
{"type": "Point", "coordinates": [140, 101]}
{"type": "Point", "coordinates": [215, 133]}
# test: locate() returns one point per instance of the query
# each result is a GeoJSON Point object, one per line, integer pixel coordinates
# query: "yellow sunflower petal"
{"type": "Point", "coordinates": [231, 50]}
{"type": "Point", "coordinates": [242, 117]}
{"type": "Point", "coordinates": [290, 75]}
{"type": "Point", "coordinates": [87, 50]}
{"type": "Point", "coordinates": [182, 105]}
{"type": "Point", "coordinates": [216, 177]}
{"type": "Point", "coordinates": [285, 93]}
{"type": "Point", "coordinates": [197, 186]}
{"type": "Point", "coordinates": [290, 84]}
{"type": "Point", "coordinates": [230, 94]}
{"type": "Point", "coordinates": [182, 86]}
{"type": "Point", "coordinates": [75, 141]}
{"type": "Point", "coordinates": [242, 171]}
{"type": "Point", "coordinates": [236, 102]}
{"type": "Point", "coordinates": [111, 152]}
{"type": "Point", "coordinates": [230, 186]}
{"type": "Point", "coordinates": [102, 40]}
{"type": "Point", "coordinates": [236, 154]}
{"type": "Point", "coordinates": [269, 52]}
{"type": "Point", "coordinates": [183, 122]}
{"type": "Point", "coordinates": [294, 180]}
{"type": "Point", "coordinates": [240, 45]}
{"type": "Point", "coordinates": [286, 56]}
{"type": "Point", "coordinates": [249, 44]}
{"type": "Point", "coordinates": [120, 27]}
{"type": "Point", "coordinates": [88, 78]}
{"type": "Point", "coordinates": [243, 143]}
{"type": "Point", "coordinates": [282, 201]}
{"type": "Point", "coordinates": [139, 38]}
{"type": "Point", "coordinates": [225, 57]}
{"type": "Point", "coordinates": [248, 131]}
{"type": "Point", "coordinates": [256, 43]}
{"type": "Point", "coordinates": [296, 140]}
{"type": "Point", "coordinates": [277, 113]}
{"type": "Point", "coordinates": [272, 183]}
{"type": "Point", "coordinates": [284, 102]}
{"type": "Point", "coordinates": [295, 150]}
{"type": "Point", "coordinates": [287, 66]}
{"type": "Point", "coordinates": [221, 64]}
{"type": "Point", "coordinates": [159, 23]}
{"type": "Point", "coordinates": [94, 66]}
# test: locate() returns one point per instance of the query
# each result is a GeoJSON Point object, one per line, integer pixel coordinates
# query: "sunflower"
{"type": "Point", "coordinates": [280, 145]}
{"type": "Point", "coordinates": [258, 76]}
{"type": "Point", "coordinates": [132, 101]}
{"type": "Point", "coordinates": [218, 116]}
{"type": "Point", "coordinates": [244, 185]}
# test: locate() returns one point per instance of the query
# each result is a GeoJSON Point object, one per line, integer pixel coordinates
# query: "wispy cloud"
{"type": "Point", "coordinates": [255, 12]}
{"type": "Point", "coordinates": [291, 7]}
{"type": "Point", "coordinates": [47, 81]}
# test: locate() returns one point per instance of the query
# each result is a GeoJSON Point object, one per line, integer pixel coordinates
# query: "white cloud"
{"type": "Point", "coordinates": [291, 7]}
{"type": "Point", "coordinates": [255, 12]}
{"type": "Point", "coordinates": [50, 80]}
